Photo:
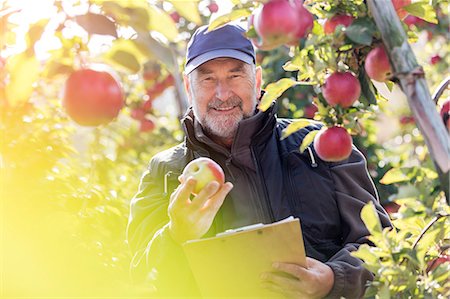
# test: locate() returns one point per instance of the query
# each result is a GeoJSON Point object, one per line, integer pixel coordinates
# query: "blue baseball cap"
{"type": "Point", "coordinates": [227, 41]}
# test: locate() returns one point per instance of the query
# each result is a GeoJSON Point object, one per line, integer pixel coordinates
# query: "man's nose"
{"type": "Point", "coordinates": [223, 90]}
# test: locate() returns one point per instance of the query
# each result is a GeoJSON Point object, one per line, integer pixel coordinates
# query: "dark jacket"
{"type": "Point", "coordinates": [272, 180]}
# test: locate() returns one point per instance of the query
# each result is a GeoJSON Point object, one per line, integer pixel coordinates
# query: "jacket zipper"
{"type": "Point", "coordinates": [265, 195]}
{"type": "Point", "coordinates": [291, 188]}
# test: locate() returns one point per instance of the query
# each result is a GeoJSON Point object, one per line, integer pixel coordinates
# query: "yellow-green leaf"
{"type": "Point", "coordinates": [24, 72]}
{"type": "Point", "coordinates": [125, 60]}
{"type": "Point", "coordinates": [233, 15]}
{"type": "Point", "coordinates": [309, 138]}
{"type": "Point", "coordinates": [394, 175]}
{"type": "Point", "coordinates": [423, 10]}
{"type": "Point", "coordinates": [295, 126]}
{"type": "Point", "coordinates": [371, 260]}
{"type": "Point", "coordinates": [188, 10]}
{"type": "Point", "coordinates": [370, 218]}
{"type": "Point", "coordinates": [273, 91]}
{"type": "Point", "coordinates": [161, 22]}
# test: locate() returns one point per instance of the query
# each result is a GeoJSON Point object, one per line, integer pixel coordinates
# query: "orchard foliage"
{"type": "Point", "coordinates": [66, 187]}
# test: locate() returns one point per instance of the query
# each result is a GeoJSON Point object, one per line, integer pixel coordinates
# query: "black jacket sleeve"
{"type": "Point", "coordinates": [158, 262]}
{"type": "Point", "coordinates": [354, 188]}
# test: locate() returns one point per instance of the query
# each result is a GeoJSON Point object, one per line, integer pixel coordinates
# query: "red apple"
{"type": "Point", "coordinates": [310, 110]}
{"type": "Point", "coordinates": [377, 64]}
{"type": "Point", "coordinates": [152, 70]}
{"type": "Point", "coordinates": [331, 24]}
{"type": "Point", "coordinates": [175, 16]}
{"type": "Point", "coordinates": [391, 207]}
{"type": "Point", "coordinates": [92, 97]}
{"type": "Point", "coordinates": [445, 114]}
{"type": "Point", "coordinates": [341, 88]}
{"type": "Point", "coordinates": [413, 21]}
{"type": "Point", "coordinates": [333, 144]}
{"type": "Point", "coordinates": [405, 119]}
{"type": "Point", "coordinates": [277, 23]}
{"type": "Point", "coordinates": [147, 125]}
{"type": "Point", "coordinates": [213, 7]}
{"type": "Point", "coordinates": [435, 59]}
{"type": "Point", "coordinates": [138, 114]}
{"type": "Point", "coordinates": [305, 21]}
{"type": "Point", "coordinates": [398, 6]}
{"type": "Point", "coordinates": [204, 171]}
{"type": "Point", "coordinates": [433, 264]}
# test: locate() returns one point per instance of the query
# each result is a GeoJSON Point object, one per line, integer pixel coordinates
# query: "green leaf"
{"type": "Point", "coordinates": [422, 10]}
{"type": "Point", "coordinates": [233, 15]}
{"type": "Point", "coordinates": [161, 22]}
{"type": "Point", "coordinates": [125, 60]}
{"type": "Point", "coordinates": [370, 218]}
{"type": "Point", "coordinates": [371, 260]}
{"type": "Point", "coordinates": [307, 140]}
{"type": "Point", "coordinates": [273, 91]}
{"type": "Point", "coordinates": [295, 126]}
{"type": "Point", "coordinates": [367, 89]}
{"type": "Point", "coordinates": [97, 24]}
{"type": "Point", "coordinates": [188, 9]}
{"type": "Point", "coordinates": [394, 175]}
{"type": "Point", "coordinates": [361, 31]}
{"type": "Point", "coordinates": [160, 51]}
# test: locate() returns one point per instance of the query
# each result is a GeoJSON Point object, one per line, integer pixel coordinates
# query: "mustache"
{"type": "Point", "coordinates": [230, 102]}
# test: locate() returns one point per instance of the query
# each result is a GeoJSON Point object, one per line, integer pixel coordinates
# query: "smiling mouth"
{"type": "Point", "coordinates": [224, 108]}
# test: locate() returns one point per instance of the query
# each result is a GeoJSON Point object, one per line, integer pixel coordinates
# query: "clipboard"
{"type": "Point", "coordinates": [230, 264]}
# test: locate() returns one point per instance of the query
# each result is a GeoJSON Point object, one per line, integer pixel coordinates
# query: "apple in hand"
{"type": "Point", "coordinates": [204, 171]}
{"type": "Point", "coordinates": [333, 144]}
{"type": "Point", "coordinates": [341, 88]}
{"type": "Point", "coordinates": [377, 64]}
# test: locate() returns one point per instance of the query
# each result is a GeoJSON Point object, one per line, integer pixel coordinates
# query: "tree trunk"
{"type": "Point", "coordinates": [413, 84]}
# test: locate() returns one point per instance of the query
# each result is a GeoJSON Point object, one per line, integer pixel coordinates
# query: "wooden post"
{"type": "Point", "coordinates": [413, 84]}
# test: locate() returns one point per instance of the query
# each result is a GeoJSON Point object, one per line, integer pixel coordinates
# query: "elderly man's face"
{"type": "Point", "coordinates": [222, 92]}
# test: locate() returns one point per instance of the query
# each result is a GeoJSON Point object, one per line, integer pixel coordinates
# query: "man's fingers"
{"type": "Point", "coordinates": [286, 282]}
{"type": "Point", "coordinates": [183, 193]}
{"type": "Point", "coordinates": [216, 202]}
{"type": "Point", "coordinates": [293, 269]}
{"type": "Point", "coordinates": [207, 192]}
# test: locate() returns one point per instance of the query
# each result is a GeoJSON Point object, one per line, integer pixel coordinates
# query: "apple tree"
{"type": "Point", "coordinates": [71, 155]}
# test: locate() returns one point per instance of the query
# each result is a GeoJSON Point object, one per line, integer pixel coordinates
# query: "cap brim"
{"type": "Point", "coordinates": [231, 53]}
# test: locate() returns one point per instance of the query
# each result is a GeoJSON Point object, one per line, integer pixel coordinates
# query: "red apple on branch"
{"type": "Point", "coordinates": [204, 171]}
{"type": "Point", "coordinates": [331, 24]}
{"type": "Point", "coordinates": [281, 22]}
{"type": "Point", "coordinates": [341, 88]}
{"type": "Point", "coordinates": [333, 144]}
{"type": "Point", "coordinates": [92, 97]}
{"type": "Point", "coordinates": [213, 7]}
{"type": "Point", "coordinates": [433, 264]}
{"type": "Point", "coordinates": [445, 114]}
{"type": "Point", "coordinates": [377, 64]}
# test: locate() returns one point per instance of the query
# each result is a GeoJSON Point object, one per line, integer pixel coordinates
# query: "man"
{"type": "Point", "coordinates": [269, 180]}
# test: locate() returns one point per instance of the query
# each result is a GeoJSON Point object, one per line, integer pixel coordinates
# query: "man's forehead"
{"type": "Point", "coordinates": [229, 64]}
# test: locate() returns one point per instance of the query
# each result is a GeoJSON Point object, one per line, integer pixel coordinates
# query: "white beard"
{"type": "Point", "coordinates": [223, 127]}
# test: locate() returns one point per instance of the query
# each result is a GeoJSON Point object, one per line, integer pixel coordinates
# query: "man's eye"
{"type": "Point", "coordinates": [235, 76]}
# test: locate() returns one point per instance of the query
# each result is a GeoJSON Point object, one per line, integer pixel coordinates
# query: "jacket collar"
{"type": "Point", "coordinates": [250, 131]}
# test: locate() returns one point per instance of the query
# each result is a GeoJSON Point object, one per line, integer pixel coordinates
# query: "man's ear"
{"type": "Point", "coordinates": [258, 80]}
{"type": "Point", "coordinates": [187, 87]}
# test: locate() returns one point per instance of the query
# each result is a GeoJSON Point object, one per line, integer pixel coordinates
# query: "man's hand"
{"type": "Point", "coordinates": [191, 219]}
{"type": "Point", "coordinates": [294, 281]}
